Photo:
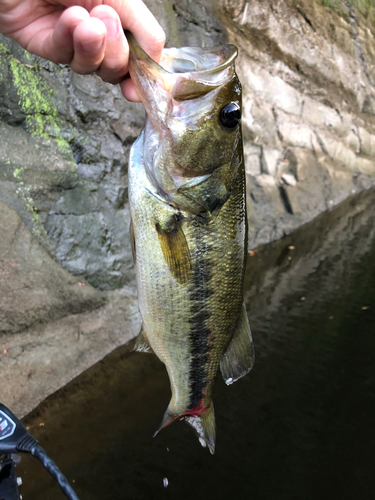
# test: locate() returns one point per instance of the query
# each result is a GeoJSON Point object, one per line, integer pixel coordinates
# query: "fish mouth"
{"type": "Point", "coordinates": [198, 60]}
{"type": "Point", "coordinates": [183, 73]}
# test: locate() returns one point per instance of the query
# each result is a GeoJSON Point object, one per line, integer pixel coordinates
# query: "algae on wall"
{"type": "Point", "coordinates": [57, 145]}
{"type": "Point", "coordinates": [27, 105]}
{"type": "Point", "coordinates": [37, 111]}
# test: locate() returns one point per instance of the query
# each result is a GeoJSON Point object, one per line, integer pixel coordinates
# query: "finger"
{"type": "Point", "coordinates": [128, 90]}
{"type": "Point", "coordinates": [115, 63]}
{"type": "Point", "coordinates": [135, 17]}
{"type": "Point", "coordinates": [89, 46]}
{"type": "Point", "coordinates": [59, 45]}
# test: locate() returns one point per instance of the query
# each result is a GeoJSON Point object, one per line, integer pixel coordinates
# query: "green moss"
{"type": "Point", "coordinates": [35, 98]}
{"type": "Point", "coordinates": [38, 229]}
{"type": "Point", "coordinates": [36, 101]}
{"type": "Point", "coordinates": [17, 171]}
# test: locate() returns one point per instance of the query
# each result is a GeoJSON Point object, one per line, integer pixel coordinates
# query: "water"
{"type": "Point", "coordinates": [299, 426]}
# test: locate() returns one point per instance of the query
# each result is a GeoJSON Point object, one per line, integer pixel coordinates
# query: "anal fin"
{"type": "Point", "coordinates": [239, 357]}
{"type": "Point", "coordinates": [141, 344]}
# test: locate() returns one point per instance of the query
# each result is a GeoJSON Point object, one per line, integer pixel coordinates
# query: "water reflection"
{"type": "Point", "coordinates": [299, 426]}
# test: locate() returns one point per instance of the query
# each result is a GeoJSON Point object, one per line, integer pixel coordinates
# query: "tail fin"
{"type": "Point", "coordinates": [203, 424]}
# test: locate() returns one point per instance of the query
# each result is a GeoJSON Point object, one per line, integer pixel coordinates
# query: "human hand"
{"type": "Point", "coordinates": [86, 36]}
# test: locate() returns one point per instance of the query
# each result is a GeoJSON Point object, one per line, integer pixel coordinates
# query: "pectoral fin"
{"type": "Point", "coordinates": [238, 359]}
{"type": "Point", "coordinates": [141, 344]}
{"type": "Point", "coordinates": [176, 251]}
{"type": "Point", "coordinates": [213, 191]}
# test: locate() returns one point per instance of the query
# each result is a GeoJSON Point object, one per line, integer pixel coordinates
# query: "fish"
{"type": "Point", "coordinates": [187, 198]}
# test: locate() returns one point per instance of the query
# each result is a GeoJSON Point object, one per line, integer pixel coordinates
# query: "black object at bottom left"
{"type": "Point", "coordinates": [8, 480]}
{"type": "Point", "coordinates": [14, 438]}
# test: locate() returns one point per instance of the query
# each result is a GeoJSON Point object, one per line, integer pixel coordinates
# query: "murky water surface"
{"type": "Point", "coordinates": [299, 426]}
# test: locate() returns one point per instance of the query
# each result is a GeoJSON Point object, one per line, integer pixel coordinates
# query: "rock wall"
{"type": "Point", "coordinates": [308, 79]}
{"type": "Point", "coordinates": [308, 76]}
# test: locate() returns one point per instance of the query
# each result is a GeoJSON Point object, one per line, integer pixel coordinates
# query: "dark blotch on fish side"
{"type": "Point", "coordinates": [199, 331]}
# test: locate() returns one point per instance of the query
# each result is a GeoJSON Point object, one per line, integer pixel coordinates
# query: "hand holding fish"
{"type": "Point", "coordinates": [87, 37]}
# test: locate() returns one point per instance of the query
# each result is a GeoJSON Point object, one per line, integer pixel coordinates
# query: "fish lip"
{"type": "Point", "coordinates": [229, 53]}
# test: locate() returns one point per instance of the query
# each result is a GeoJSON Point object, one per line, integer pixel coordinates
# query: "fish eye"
{"type": "Point", "coordinates": [230, 115]}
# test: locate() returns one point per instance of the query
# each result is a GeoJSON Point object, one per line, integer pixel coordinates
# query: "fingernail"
{"type": "Point", "coordinates": [112, 26]}
{"type": "Point", "coordinates": [92, 46]}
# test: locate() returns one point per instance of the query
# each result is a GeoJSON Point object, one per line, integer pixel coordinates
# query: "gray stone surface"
{"type": "Point", "coordinates": [52, 325]}
{"type": "Point", "coordinates": [34, 288]}
{"type": "Point", "coordinates": [46, 356]}
{"type": "Point", "coordinates": [308, 76]}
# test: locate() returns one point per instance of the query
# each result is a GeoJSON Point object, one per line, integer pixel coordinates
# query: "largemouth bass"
{"type": "Point", "coordinates": [189, 227]}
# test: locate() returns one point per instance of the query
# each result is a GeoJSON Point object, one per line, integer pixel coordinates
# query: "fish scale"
{"type": "Point", "coordinates": [189, 241]}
